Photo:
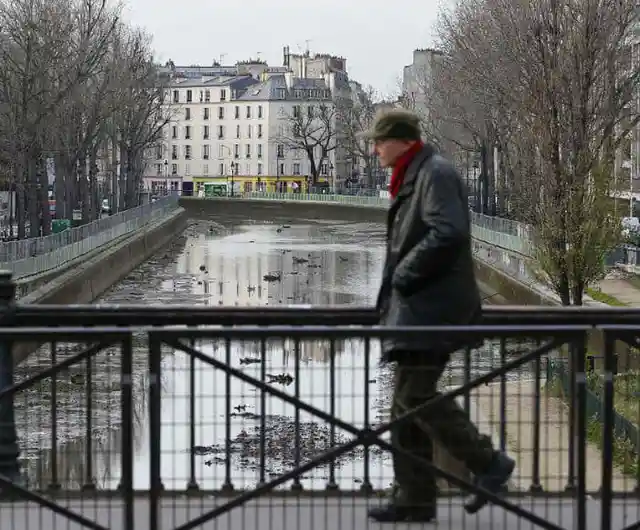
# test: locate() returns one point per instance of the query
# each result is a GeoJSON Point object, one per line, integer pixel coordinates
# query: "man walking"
{"type": "Point", "coordinates": [428, 280]}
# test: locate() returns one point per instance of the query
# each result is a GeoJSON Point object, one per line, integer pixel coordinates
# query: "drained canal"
{"type": "Point", "coordinates": [235, 264]}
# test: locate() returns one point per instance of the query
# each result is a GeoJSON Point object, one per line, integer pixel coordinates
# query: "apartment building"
{"type": "Point", "coordinates": [233, 126]}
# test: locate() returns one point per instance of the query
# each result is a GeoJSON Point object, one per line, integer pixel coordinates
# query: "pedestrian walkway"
{"type": "Point", "coordinates": [304, 513]}
{"type": "Point", "coordinates": [621, 289]}
{"type": "Point", "coordinates": [554, 436]}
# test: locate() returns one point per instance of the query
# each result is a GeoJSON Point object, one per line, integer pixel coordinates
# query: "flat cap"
{"type": "Point", "coordinates": [398, 124]}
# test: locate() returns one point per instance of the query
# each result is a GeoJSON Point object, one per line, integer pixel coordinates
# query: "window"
{"type": "Point", "coordinates": [187, 133]}
{"type": "Point", "coordinates": [248, 112]}
{"type": "Point", "coordinates": [207, 96]}
{"type": "Point", "coordinates": [187, 169]}
{"type": "Point", "coordinates": [259, 169]}
{"type": "Point", "coordinates": [201, 96]}
{"type": "Point", "coordinates": [296, 111]}
{"type": "Point", "coordinates": [221, 150]}
{"type": "Point", "coordinates": [259, 153]}
{"type": "Point", "coordinates": [205, 132]}
{"type": "Point", "coordinates": [187, 113]}
{"type": "Point", "coordinates": [247, 151]}
{"type": "Point", "coordinates": [324, 169]}
{"type": "Point", "coordinates": [205, 169]}
{"type": "Point", "coordinates": [176, 96]}
{"type": "Point", "coordinates": [236, 151]}
{"type": "Point", "coordinates": [260, 130]}
{"type": "Point", "coordinates": [220, 132]}
{"type": "Point", "coordinates": [237, 113]}
{"type": "Point", "coordinates": [174, 152]}
{"type": "Point", "coordinates": [205, 113]}
{"type": "Point", "coordinates": [221, 113]}
{"type": "Point", "coordinates": [223, 95]}
{"type": "Point", "coordinates": [174, 169]}
{"type": "Point", "coordinates": [296, 169]}
{"type": "Point", "coordinates": [159, 152]}
{"type": "Point", "coordinates": [221, 169]}
{"type": "Point", "coordinates": [248, 131]}
{"type": "Point", "coordinates": [281, 169]}
{"type": "Point", "coordinates": [259, 111]}
{"type": "Point", "coordinates": [187, 152]}
{"type": "Point", "coordinates": [159, 170]}
{"type": "Point", "coordinates": [174, 132]}
{"type": "Point", "coordinates": [237, 131]}
{"type": "Point", "coordinates": [280, 151]}
{"type": "Point", "coordinates": [189, 96]}
{"type": "Point", "coordinates": [205, 151]}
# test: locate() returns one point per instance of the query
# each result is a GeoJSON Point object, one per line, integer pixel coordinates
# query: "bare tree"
{"type": "Point", "coordinates": [355, 117]}
{"type": "Point", "coordinates": [72, 78]}
{"type": "Point", "coordinates": [549, 83]}
{"type": "Point", "coordinates": [310, 127]}
{"type": "Point", "coordinates": [140, 117]}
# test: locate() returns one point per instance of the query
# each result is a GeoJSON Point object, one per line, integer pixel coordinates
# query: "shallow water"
{"type": "Point", "coordinates": [224, 264]}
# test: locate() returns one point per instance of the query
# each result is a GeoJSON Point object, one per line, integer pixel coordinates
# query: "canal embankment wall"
{"type": "Point", "coordinates": [85, 281]}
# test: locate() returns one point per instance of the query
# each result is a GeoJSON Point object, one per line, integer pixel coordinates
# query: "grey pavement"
{"type": "Point", "coordinates": [311, 513]}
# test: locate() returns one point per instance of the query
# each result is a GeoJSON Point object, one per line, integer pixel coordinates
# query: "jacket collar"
{"type": "Point", "coordinates": [414, 168]}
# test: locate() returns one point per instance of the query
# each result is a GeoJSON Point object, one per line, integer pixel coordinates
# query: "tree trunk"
{"type": "Point", "coordinates": [370, 177]}
{"type": "Point", "coordinates": [70, 190]}
{"type": "Point", "coordinates": [94, 209]}
{"type": "Point", "coordinates": [43, 188]}
{"type": "Point", "coordinates": [564, 291]}
{"type": "Point", "coordinates": [59, 186]}
{"type": "Point", "coordinates": [20, 202]}
{"type": "Point", "coordinates": [33, 204]}
{"type": "Point", "coordinates": [122, 179]}
{"type": "Point", "coordinates": [83, 188]}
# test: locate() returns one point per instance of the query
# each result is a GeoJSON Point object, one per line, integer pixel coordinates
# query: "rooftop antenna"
{"type": "Point", "coordinates": [307, 41]}
{"type": "Point", "coordinates": [222, 56]}
{"type": "Point", "coordinates": [258, 54]}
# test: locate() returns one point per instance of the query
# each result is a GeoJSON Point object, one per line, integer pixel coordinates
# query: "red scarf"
{"type": "Point", "coordinates": [401, 166]}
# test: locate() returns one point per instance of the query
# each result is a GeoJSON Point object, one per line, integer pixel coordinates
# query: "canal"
{"type": "Point", "coordinates": [234, 263]}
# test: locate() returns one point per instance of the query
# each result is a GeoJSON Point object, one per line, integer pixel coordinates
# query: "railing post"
{"type": "Point", "coordinates": [9, 452]}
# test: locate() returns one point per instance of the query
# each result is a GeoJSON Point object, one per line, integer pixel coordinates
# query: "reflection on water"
{"type": "Point", "coordinates": [214, 265]}
{"type": "Point", "coordinates": [211, 264]}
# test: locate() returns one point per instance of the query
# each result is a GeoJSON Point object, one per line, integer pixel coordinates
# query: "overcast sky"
{"type": "Point", "coordinates": [377, 36]}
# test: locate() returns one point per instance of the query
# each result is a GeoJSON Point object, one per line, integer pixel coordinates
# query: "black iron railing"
{"type": "Point", "coordinates": [132, 401]}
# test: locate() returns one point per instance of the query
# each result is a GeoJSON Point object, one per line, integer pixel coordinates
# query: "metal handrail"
{"type": "Point", "coordinates": [29, 257]}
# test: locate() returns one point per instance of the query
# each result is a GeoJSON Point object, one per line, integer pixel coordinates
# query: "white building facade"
{"type": "Point", "coordinates": [234, 127]}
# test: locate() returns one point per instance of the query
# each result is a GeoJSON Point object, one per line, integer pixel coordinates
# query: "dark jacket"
{"type": "Point", "coordinates": [428, 278]}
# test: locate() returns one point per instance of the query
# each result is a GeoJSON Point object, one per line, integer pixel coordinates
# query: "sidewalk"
{"type": "Point", "coordinates": [554, 436]}
{"type": "Point", "coordinates": [617, 286]}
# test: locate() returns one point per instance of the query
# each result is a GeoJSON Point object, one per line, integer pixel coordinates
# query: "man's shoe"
{"type": "Point", "coordinates": [494, 481]}
{"type": "Point", "coordinates": [393, 513]}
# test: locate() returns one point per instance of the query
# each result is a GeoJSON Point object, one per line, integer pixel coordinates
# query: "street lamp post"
{"type": "Point", "coordinates": [278, 158]}
{"type": "Point", "coordinates": [476, 195]}
{"type": "Point", "coordinates": [332, 175]}
{"type": "Point", "coordinates": [166, 173]}
{"type": "Point", "coordinates": [233, 167]}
